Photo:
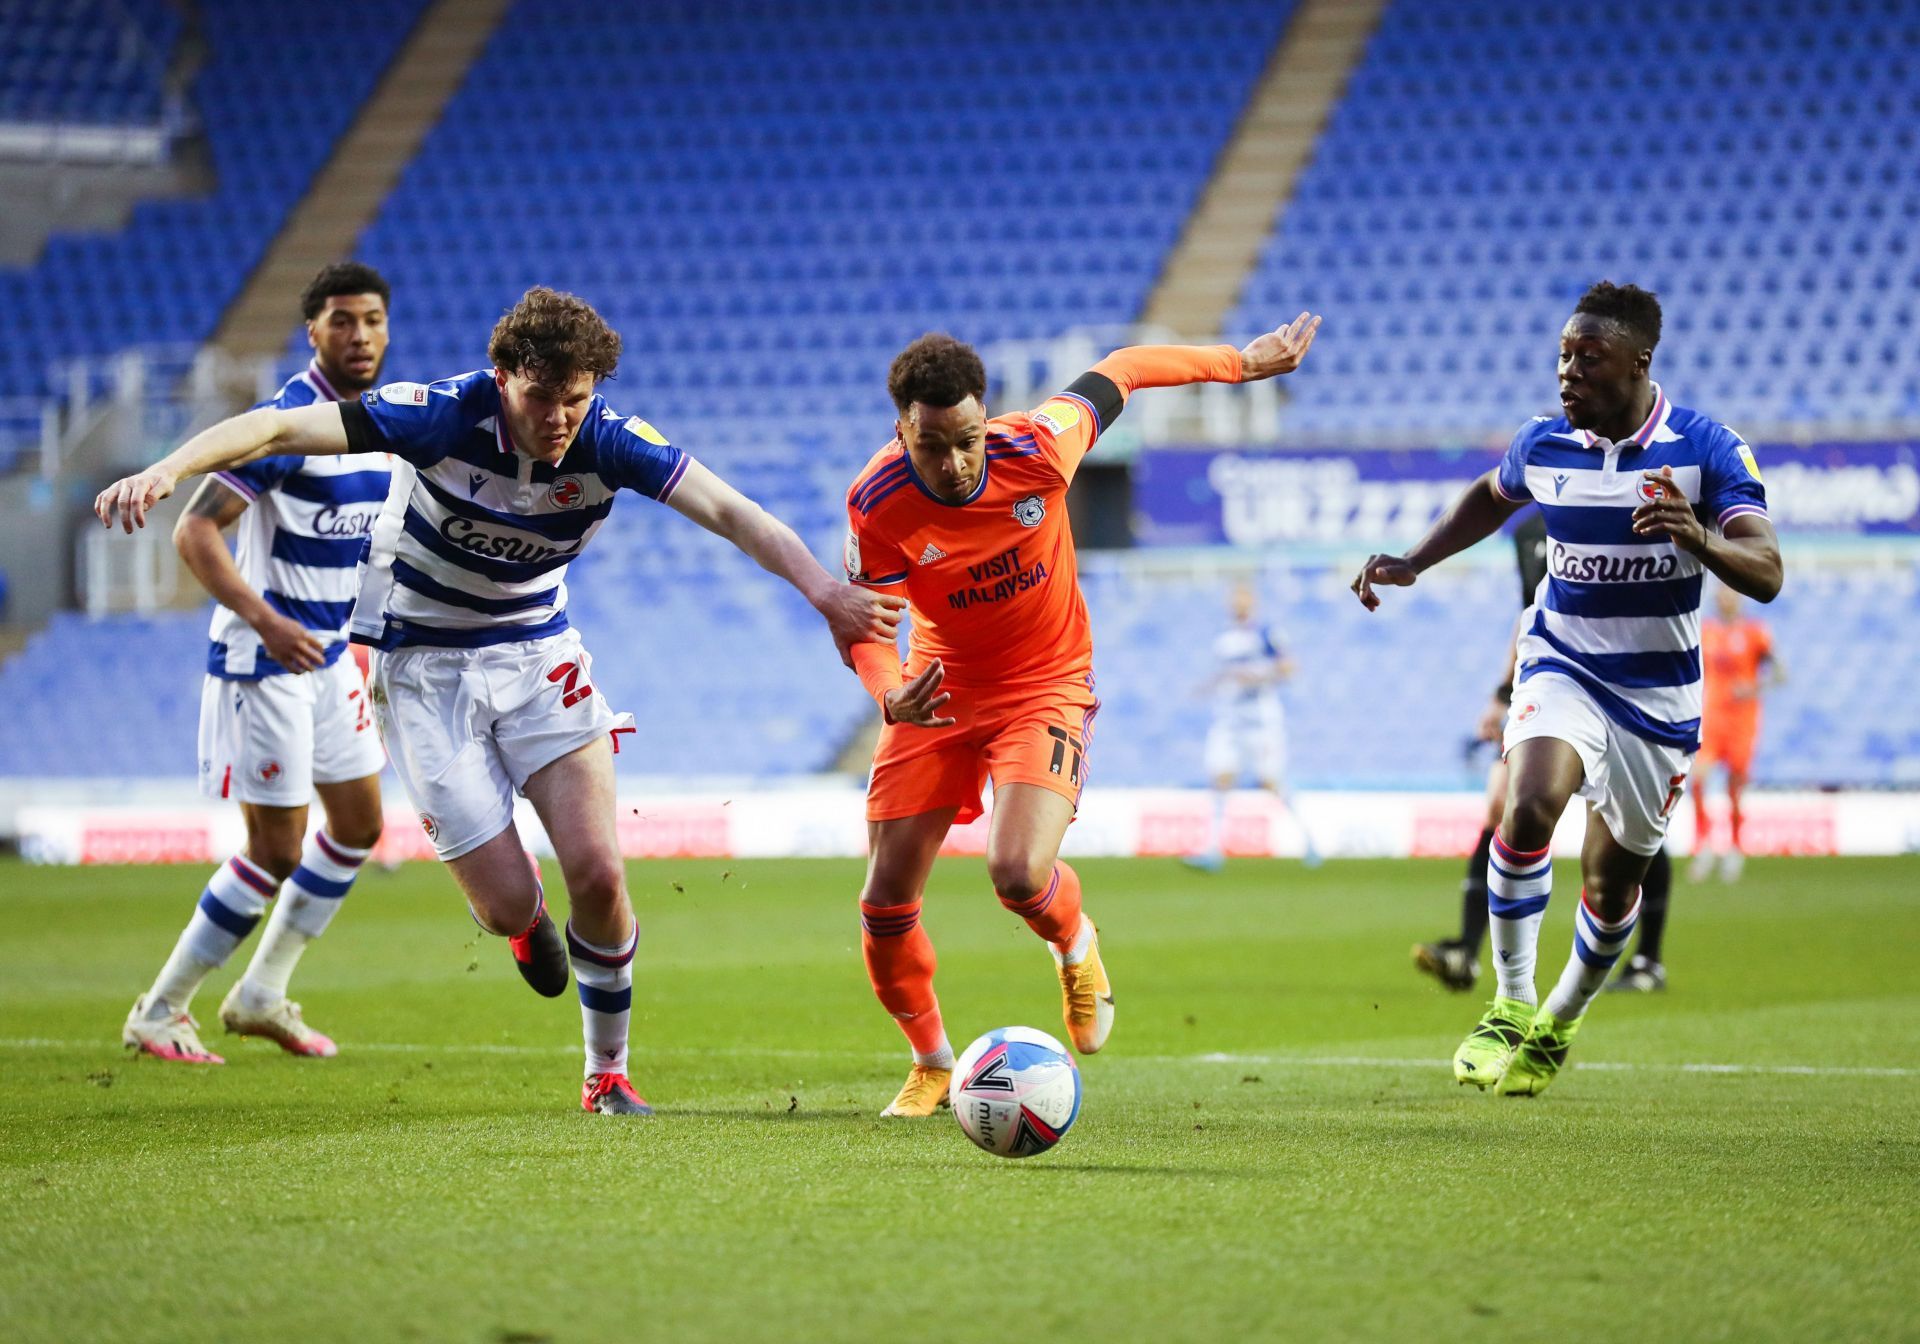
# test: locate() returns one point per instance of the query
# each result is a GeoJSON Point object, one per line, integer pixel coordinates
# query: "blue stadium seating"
{"type": "Point", "coordinates": [171, 272]}
{"type": "Point", "coordinates": [1758, 164]}
{"type": "Point", "coordinates": [769, 200]}
{"type": "Point", "coordinates": [85, 62]}
{"type": "Point", "coordinates": [729, 674]}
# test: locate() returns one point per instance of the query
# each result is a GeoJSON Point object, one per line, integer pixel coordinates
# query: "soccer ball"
{"type": "Point", "coordinates": [1015, 1092]}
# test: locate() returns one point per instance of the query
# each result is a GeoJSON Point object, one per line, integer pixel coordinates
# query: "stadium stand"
{"type": "Point", "coordinates": [1482, 169]}
{"type": "Point", "coordinates": [728, 676]}
{"type": "Point", "coordinates": [168, 275]}
{"type": "Point", "coordinates": [736, 227]}
{"type": "Point", "coordinates": [85, 62]}
{"type": "Point", "coordinates": [734, 215]}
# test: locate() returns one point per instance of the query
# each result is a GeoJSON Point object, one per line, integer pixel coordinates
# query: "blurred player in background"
{"type": "Point", "coordinates": [1455, 962]}
{"type": "Point", "coordinates": [968, 516]}
{"type": "Point", "coordinates": [283, 714]}
{"type": "Point", "coordinates": [1608, 701]}
{"type": "Point", "coordinates": [1248, 735]}
{"type": "Point", "coordinates": [1739, 665]}
{"type": "Point", "coordinates": [481, 689]}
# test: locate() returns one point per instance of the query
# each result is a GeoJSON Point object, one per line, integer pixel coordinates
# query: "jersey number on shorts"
{"type": "Point", "coordinates": [1061, 742]}
{"type": "Point", "coordinates": [573, 690]}
{"type": "Point", "coordinates": [362, 720]}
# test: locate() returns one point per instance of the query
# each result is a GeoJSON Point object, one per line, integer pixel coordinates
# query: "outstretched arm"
{"type": "Point", "coordinates": [1474, 516]}
{"type": "Point", "coordinates": [1279, 351]}
{"type": "Point", "coordinates": [309, 431]}
{"type": "Point", "coordinates": [854, 614]}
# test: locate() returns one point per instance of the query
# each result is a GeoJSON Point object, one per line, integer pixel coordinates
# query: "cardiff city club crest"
{"type": "Point", "coordinates": [1030, 511]}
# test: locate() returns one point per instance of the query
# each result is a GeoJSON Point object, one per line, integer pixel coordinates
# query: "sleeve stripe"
{"type": "Point", "coordinates": [673, 478]}
{"type": "Point", "coordinates": [1501, 491]}
{"type": "Point", "coordinates": [880, 580]}
{"type": "Point", "coordinates": [1092, 410]}
{"type": "Point", "coordinates": [1742, 511]}
{"type": "Point", "coordinates": [235, 484]}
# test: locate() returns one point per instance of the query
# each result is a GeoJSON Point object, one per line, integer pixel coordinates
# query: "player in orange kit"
{"type": "Point", "coordinates": [1737, 664]}
{"type": "Point", "coordinates": [968, 515]}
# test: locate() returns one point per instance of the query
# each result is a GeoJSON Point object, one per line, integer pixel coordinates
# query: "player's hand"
{"type": "Point", "coordinates": [1279, 351]}
{"type": "Point", "coordinates": [920, 701]}
{"type": "Point", "coordinates": [127, 500]}
{"type": "Point", "coordinates": [859, 615]}
{"type": "Point", "coordinates": [1392, 571]}
{"type": "Point", "coordinates": [290, 643]}
{"type": "Point", "coordinates": [1670, 513]}
{"type": "Point", "coordinates": [1493, 721]}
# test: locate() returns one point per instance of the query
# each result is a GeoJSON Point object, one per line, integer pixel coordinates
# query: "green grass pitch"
{"type": "Point", "coordinates": [1271, 1147]}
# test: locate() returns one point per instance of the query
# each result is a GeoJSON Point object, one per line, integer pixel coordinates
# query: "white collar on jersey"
{"type": "Point", "coordinates": [1655, 427]}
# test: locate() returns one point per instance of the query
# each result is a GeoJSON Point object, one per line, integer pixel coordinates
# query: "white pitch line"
{"type": "Point", "coordinates": [1265, 1061]}
{"type": "Point", "coordinates": [1615, 1066]}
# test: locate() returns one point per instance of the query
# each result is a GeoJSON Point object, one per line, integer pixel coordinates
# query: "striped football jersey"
{"type": "Point", "coordinates": [299, 542]}
{"type": "Point", "coordinates": [1619, 612]}
{"type": "Point", "coordinates": [473, 545]}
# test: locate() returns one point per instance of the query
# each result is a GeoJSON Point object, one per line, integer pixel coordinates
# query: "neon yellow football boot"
{"type": "Point", "coordinates": [1540, 1057]}
{"type": "Point", "coordinates": [1483, 1056]}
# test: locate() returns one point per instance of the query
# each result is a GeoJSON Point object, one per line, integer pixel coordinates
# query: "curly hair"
{"type": "Point", "coordinates": [551, 337]}
{"type": "Point", "coordinates": [342, 277]}
{"type": "Point", "coordinates": [937, 370]}
{"type": "Point", "coordinates": [1634, 308]}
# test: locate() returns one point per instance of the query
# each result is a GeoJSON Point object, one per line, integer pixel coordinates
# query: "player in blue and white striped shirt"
{"type": "Point", "coordinates": [1641, 498]}
{"type": "Point", "coordinates": [283, 715]}
{"type": "Point", "coordinates": [480, 688]}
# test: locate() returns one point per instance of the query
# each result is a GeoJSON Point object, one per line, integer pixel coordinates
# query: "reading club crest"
{"type": "Point", "coordinates": [566, 493]}
{"type": "Point", "coordinates": [1030, 511]}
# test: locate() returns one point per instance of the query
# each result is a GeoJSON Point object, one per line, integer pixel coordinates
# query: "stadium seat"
{"type": "Point", "coordinates": [1452, 206]}
{"type": "Point", "coordinates": [167, 277]}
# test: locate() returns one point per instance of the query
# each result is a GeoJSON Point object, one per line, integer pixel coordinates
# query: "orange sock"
{"type": "Point", "coordinates": [1054, 914]}
{"type": "Point", "coordinates": [900, 964]}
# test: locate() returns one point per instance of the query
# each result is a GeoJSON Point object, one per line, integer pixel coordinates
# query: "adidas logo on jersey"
{"type": "Point", "coordinates": [931, 554]}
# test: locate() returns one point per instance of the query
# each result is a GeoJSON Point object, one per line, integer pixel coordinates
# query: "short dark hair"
{"type": "Point", "coordinates": [937, 370]}
{"type": "Point", "coordinates": [550, 337]}
{"type": "Point", "coordinates": [1636, 309]}
{"type": "Point", "coordinates": [342, 277]}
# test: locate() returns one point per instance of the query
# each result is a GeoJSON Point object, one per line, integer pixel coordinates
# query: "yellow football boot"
{"type": "Point", "coordinates": [924, 1092]}
{"type": "Point", "coordinates": [1086, 997]}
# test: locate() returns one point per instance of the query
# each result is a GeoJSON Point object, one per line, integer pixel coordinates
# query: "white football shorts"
{"type": "Point", "coordinates": [1248, 740]}
{"type": "Point", "coordinates": [1632, 783]}
{"type": "Point", "coordinates": [269, 741]}
{"type": "Point", "coordinates": [465, 728]}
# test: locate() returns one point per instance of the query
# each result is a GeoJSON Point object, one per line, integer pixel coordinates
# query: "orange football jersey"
{"type": "Point", "coordinates": [992, 582]}
{"type": "Point", "coordinates": [1730, 655]}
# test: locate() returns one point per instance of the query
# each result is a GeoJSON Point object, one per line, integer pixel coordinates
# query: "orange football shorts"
{"type": "Point", "coordinates": [1030, 734]}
